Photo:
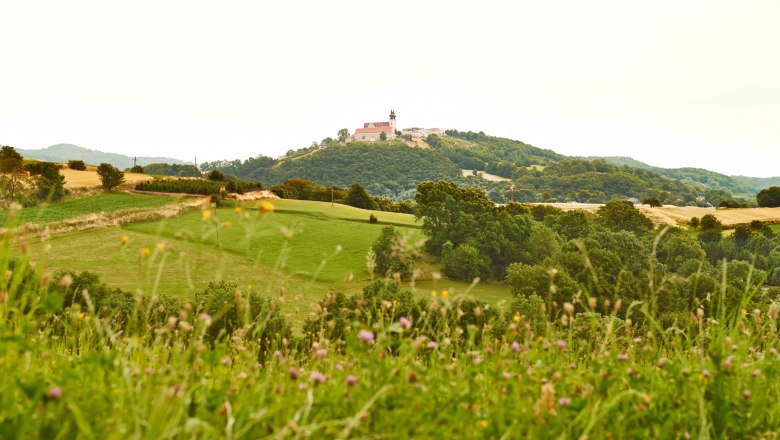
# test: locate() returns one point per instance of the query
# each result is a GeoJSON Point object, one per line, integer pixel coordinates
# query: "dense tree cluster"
{"type": "Point", "coordinates": [769, 198]}
{"type": "Point", "coordinates": [551, 256]}
{"type": "Point", "coordinates": [386, 169]}
{"type": "Point", "coordinates": [166, 169]}
{"type": "Point", "coordinates": [28, 183]}
{"type": "Point", "coordinates": [198, 186]}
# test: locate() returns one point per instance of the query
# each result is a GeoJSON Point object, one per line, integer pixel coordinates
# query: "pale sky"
{"type": "Point", "coordinates": [672, 83]}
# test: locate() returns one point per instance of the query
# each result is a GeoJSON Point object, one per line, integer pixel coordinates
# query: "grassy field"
{"type": "Point", "coordinates": [75, 373]}
{"type": "Point", "coordinates": [111, 202]}
{"type": "Point", "coordinates": [305, 249]}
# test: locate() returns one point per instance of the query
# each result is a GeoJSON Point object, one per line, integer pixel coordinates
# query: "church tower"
{"type": "Point", "coordinates": [392, 124]}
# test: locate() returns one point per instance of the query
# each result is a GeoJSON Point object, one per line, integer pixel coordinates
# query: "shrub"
{"type": "Point", "coordinates": [394, 254]}
{"type": "Point", "coordinates": [372, 219]}
{"type": "Point", "coordinates": [216, 175]}
{"type": "Point", "coordinates": [464, 263]}
{"type": "Point", "coordinates": [137, 169]}
{"type": "Point", "coordinates": [231, 310]}
{"type": "Point", "coordinates": [110, 176]}
{"type": "Point", "coordinates": [77, 165]}
{"type": "Point", "coordinates": [359, 198]}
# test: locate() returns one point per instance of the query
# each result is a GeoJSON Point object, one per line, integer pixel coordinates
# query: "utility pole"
{"type": "Point", "coordinates": [134, 162]}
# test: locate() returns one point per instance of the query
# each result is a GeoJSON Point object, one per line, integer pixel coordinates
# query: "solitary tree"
{"type": "Point", "coordinates": [382, 136]}
{"type": "Point", "coordinates": [343, 134]}
{"type": "Point", "coordinates": [110, 176]}
{"type": "Point", "coordinates": [652, 201]}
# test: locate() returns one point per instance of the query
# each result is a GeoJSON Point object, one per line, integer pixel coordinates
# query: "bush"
{"type": "Point", "coordinates": [77, 165]}
{"type": "Point", "coordinates": [110, 176]}
{"type": "Point", "coordinates": [137, 169]}
{"type": "Point", "coordinates": [372, 219]}
{"type": "Point", "coordinates": [231, 310]}
{"type": "Point", "coordinates": [216, 175]}
{"type": "Point", "coordinates": [769, 197]}
{"type": "Point", "coordinates": [464, 263]}
{"type": "Point", "coordinates": [394, 254]}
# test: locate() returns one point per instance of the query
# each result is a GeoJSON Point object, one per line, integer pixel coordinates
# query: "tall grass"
{"type": "Point", "coordinates": [379, 366]}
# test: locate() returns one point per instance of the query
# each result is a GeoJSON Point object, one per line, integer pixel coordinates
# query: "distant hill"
{"type": "Point", "coordinates": [394, 169]}
{"type": "Point", "coordinates": [66, 152]}
{"type": "Point", "coordinates": [739, 186]}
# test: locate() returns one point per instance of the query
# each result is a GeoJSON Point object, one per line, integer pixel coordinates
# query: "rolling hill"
{"type": "Point", "coordinates": [65, 152]}
{"type": "Point", "coordinates": [739, 186]}
{"type": "Point", "coordinates": [393, 169]}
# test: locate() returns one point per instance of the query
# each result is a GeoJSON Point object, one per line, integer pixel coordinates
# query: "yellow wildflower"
{"type": "Point", "coordinates": [206, 214]}
{"type": "Point", "coordinates": [445, 294]}
{"type": "Point", "coordinates": [125, 239]}
{"type": "Point", "coordinates": [266, 207]}
{"type": "Point", "coordinates": [145, 252]}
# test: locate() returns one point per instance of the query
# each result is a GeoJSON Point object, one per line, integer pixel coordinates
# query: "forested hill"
{"type": "Point", "coordinates": [65, 152]}
{"type": "Point", "coordinates": [394, 169]}
{"type": "Point", "coordinates": [739, 186]}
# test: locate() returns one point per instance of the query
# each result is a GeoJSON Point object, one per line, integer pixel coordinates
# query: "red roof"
{"type": "Point", "coordinates": [376, 124]}
{"type": "Point", "coordinates": [387, 129]}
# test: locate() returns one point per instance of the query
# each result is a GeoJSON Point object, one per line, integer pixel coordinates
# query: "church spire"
{"type": "Point", "coordinates": [392, 114]}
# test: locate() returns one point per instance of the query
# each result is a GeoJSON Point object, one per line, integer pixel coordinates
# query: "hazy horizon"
{"type": "Point", "coordinates": [672, 84]}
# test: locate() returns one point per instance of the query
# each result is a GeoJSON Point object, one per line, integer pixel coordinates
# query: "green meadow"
{"type": "Point", "coordinates": [107, 202]}
{"type": "Point", "coordinates": [302, 251]}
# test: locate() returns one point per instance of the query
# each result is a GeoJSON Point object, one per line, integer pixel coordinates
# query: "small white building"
{"type": "Point", "coordinates": [419, 133]}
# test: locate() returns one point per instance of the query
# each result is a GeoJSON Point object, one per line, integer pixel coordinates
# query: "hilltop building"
{"type": "Point", "coordinates": [371, 131]}
{"type": "Point", "coordinates": [419, 133]}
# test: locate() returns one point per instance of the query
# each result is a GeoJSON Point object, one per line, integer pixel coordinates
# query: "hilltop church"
{"type": "Point", "coordinates": [371, 131]}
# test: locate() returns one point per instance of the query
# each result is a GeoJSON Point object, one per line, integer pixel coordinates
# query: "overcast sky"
{"type": "Point", "coordinates": [672, 83]}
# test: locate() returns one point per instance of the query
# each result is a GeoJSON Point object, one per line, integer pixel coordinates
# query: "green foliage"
{"type": "Point", "coordinates": [372, 219]}
{"type": "Point", "coordinates": [394, 254]}
{"type": "Point", "coordinates": [769, 198]}
{"type": "Point", "coordinates": [77, 165]}
{"type": "Point", "coordinates": [386, 169]}
{"type": "Point", "coordinates": [137, 169]}
{"type": "Point", "coordinates": [100, 203]}
{"type": "Point", "coordinates": [110, 176]}
{"type": "Point", "coordinates": [343, 134]}
{"type": "Point", "coordinates": [50, 185]}
{"type": "Point", "coordinates": [652, 201]}
{"type": "Point", "coordinates": [359, 198]}
{"type": "Point", "coordinates": [694, 222]}
{"type": "Point", "coordinates": [228, 310]}
{"type": "Point", "coordinates": [303, 189]}
{"type": "Point", "coordinates": [623, 216]}
{"type": "Point", "coordinates": [165, 169]}
{"type": "Point", "coordinates": [382, 136]}
{"type": "Point", "coordinates": [196, 186]}
{"type": "Point", "coordinates": [216, 175]}
{"type": "Point", "coordinates": [460, 215]}
{"type": "Point", "coordinates": [10, 160]}
{"type": "Point", "coordinates": [464, 263]}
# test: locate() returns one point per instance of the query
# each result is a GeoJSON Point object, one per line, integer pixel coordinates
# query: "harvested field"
{"type": "Point", "coordinates": [673, 215]}
{"type": "Point", "coordinates": [90, 179]}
